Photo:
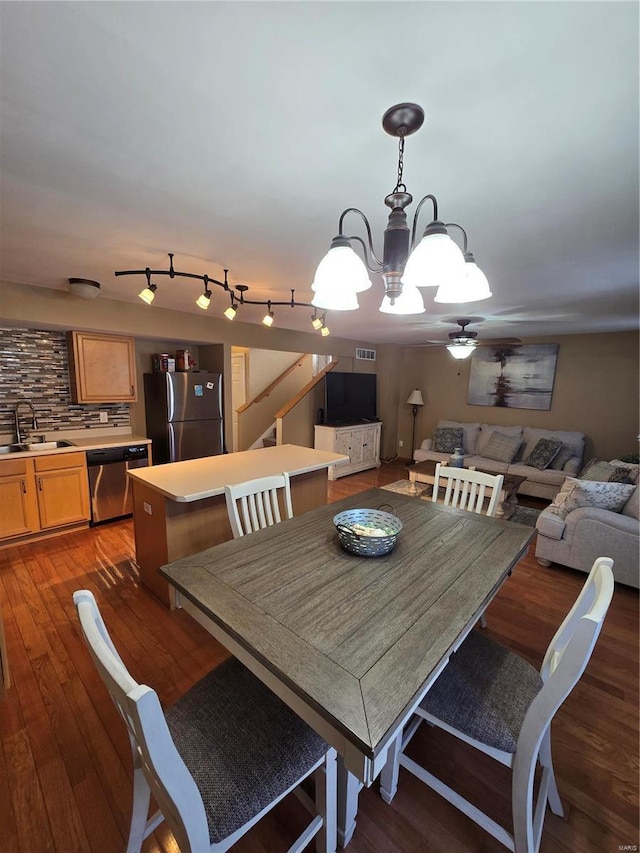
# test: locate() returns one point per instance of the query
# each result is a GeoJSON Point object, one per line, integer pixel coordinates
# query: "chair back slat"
{"type": "Point", "coordinates": [467, 489]}
{"type": "Point", "coordinates": [255, 504]}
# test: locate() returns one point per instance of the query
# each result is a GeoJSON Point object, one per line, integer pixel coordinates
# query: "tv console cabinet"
{"type": "Point", "coordinates": [360, 442]}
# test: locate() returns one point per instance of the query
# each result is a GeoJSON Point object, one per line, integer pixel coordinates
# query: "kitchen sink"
{"type": "Point", "coordinates": [39, 445]}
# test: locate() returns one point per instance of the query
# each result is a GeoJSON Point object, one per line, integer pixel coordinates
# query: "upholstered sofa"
{"type": "Point", "coordinates": [588, 532]}
{"type": "Point", "coordinates": [539, 483]}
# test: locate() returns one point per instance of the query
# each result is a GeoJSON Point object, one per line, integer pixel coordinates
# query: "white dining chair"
{"type": "Point", "coordinates": [492, 699]}
{"type": "Point", "coordinates": [217, 760]}
{"type": "Point", "coordinates": [467, 489]}
{"type": "Point", "coordinates": [254, 504]}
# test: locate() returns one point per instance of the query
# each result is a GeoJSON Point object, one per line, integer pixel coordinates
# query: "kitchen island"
{"type": "Point", "coordinates": [180, 509]}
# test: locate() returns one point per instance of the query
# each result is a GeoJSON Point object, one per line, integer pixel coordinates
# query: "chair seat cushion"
{"type": "Point", "coordinates": [242, 745]}
{"type": "Point", "coordinates": [484, 692]}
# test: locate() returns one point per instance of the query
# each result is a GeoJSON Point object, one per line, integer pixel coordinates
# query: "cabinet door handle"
{"type": "Point", "coordinates": [24, 488]}
{"type": "Point", "coordinates": [132, 390]}
{"type": "Point", "coordinates": [39, 484]}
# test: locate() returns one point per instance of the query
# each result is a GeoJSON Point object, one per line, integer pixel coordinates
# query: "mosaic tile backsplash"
{"type": "Point", "coordinates": [34, 367]}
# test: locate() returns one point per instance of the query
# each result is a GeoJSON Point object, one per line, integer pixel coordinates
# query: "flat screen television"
{"type": "Point", "coordinates": [350, 398]}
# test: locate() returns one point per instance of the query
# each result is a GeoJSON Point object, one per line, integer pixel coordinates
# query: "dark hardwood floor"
{"type": "Point", "coordinates": [64, 758]}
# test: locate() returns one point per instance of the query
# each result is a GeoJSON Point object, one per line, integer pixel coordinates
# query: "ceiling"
{"type": "Point", "coordinates": [234, 134]}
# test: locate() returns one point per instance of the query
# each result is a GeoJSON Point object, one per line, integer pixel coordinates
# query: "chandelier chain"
{"type": "Point", "coordinates": [399, 185]}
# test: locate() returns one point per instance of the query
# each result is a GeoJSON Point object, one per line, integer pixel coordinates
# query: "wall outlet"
{"type": "Point", "coordinates": [401, 443]}
{"type": "Point", "coordinates": [104, 418]}
{"type": "Point", "coordinates": [147, 508]}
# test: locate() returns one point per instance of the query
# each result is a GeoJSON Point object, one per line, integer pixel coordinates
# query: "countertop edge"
{"type": "Point", "coordinates": [80, 444]}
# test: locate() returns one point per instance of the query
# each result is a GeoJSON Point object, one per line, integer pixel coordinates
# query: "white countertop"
{"type": "Point", "coordinates": [196, 479]}
{"type": "Point", "coordinates": [93, 443]}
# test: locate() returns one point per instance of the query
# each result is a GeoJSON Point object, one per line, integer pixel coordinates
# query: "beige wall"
{"type": "Point", "coordinates": [595, 391]}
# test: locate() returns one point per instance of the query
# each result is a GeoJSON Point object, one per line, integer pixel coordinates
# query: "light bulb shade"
{"type": "Point", "coordinates": [472, 287]}
{"type": "Point", "coordinates": [462, 349]}
{"type": "Point", "coordinates": [324, 331]}
{"type": "Point", "coordinates": [341, 269]}
{"type": "Point", "coordinates": [147, 295]}
{"type": "Point", "coordinates": [203, 301]}
{"type": "Point", "coordinates": [410, 301]}
{"type": "Point", "coordinates": [335, 300]}
{"type": "Point", "coordinates": [316, 322]}
{"type": "Point", "coordinates": [85, 288]}
{"type": "Point", "coordinates": [230, 312]}
{"type": "Point", "coordinates": [415, 398]}
{"type": "Point", "coordinates": [436, 260]}
{"type": "Point", "coordinates": [268, 319]}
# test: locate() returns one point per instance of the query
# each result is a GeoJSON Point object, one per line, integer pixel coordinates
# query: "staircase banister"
{"type": "Point", "coordinates": [265, 393]}
{"type": "Point", "coordinates": [293, 402]}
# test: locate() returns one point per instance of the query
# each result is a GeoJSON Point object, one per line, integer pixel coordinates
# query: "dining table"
{"type": "Point", "coordinates": [351, 643]}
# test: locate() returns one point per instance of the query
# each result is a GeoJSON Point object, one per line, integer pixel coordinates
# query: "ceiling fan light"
{"type": "Point", "coordinates": [341, 269]}
{"type": "Point", "coordinates": [148, 294]}
{"type": "Point", "coordinates": [435, 261]}
{"type": "Point", "coordinates": [410, 301]}
{"type": "Point", "coordinates": [335, 300]}
{"type": "Point", "coordinates": [462, 349]}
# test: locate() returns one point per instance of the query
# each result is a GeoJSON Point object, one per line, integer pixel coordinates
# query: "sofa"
{"type": "Point", "coordinates": [575, 538]}
{"type": "Point", "coordinates": [541, 483]}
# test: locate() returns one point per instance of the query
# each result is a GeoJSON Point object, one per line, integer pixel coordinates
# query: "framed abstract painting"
{"type": "Point", "coordinates": [513, 377]}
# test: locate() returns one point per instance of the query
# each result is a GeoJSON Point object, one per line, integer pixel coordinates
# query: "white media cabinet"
{"type": "Point", "coordinates": [360, 442]}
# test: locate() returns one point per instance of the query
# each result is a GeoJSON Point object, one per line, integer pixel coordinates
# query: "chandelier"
{"type": "Point", "coordinates": [236, 295]}
{"type": "Point", "coordinates": [435, 261]}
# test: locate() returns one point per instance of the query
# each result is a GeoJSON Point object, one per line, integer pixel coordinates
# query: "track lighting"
{"type": "Point", "coordinates": [149, 293]}
{"type": "Point", "coordinates": [204, 300]}
{"type": "Point", "coordinates": [316, 322]}
{"type": "Point", "coordinates": [231, 311]}
{"type": "Point", "coordinates": [268, 317]}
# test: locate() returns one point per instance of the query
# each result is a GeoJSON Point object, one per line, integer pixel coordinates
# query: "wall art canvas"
{"type": "Point", "coordinates": [513, 377]}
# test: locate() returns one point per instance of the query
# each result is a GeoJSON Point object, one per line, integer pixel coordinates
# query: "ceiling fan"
{"type": "Point", "coordinates": [462, 343]}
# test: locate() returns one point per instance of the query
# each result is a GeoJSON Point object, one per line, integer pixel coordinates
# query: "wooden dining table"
{"type": "Point", "coordinates": [351, 643]}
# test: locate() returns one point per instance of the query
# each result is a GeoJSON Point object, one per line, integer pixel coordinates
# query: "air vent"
{"type": "Point", "coordinates": [366, 354]}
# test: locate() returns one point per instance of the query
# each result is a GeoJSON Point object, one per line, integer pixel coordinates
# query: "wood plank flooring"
{"type": "Point", "coordinates": [64, 757]}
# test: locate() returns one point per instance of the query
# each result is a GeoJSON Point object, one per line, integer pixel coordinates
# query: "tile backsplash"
{"type": "Point", "coordinates": [34, 367]}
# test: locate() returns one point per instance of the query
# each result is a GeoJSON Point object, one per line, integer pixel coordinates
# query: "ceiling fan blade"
{"type": "Point", "coordinates": [500, 342]}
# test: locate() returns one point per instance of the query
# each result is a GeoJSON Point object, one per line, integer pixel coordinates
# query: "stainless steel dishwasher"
{"type": "Point", "coordinates": [109, 487]}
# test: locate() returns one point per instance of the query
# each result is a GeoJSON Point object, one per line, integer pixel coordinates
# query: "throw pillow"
{"type": "Point", "coordinates": [576, 493]}
{"type": "Point", "coordinates": [446, 439]}
{"type": "Point", "coordinates": [543, 453]}
{"type": "Point", "coordinates": [632, 506]}
{"type": "Point", "coordinates": [565, 454]}
{"type": "Point", "coordinates": [501, 447]}
{"type": "Point", "coordinates": [604, 472]}
{"type": "Point", "coordinates": [633, 469]}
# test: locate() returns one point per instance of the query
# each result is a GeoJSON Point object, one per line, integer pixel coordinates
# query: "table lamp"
{"type": "Point", "coordinates": [415, 400]}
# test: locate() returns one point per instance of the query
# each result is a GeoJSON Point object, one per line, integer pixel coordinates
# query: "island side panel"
{"type": "Point", "coordinates": [309, 491]}
{"type": "Point", "coordinates": [150, 533]}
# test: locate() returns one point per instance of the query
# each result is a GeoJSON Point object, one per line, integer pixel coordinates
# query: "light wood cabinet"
{"type": "Point", "coordinates": [102, 368]}
{"type": "Point", "coordinates": [42, 494]}
{"type": "Point", "coordinates": [18, 505]}
{"type": "Point", "coordinates": [360, 442]}
{"type": "Point", "coordinates": [62, 489]}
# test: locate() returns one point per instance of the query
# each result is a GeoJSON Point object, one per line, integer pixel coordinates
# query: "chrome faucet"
{"type": "Point", "coordinates": [20, 434]}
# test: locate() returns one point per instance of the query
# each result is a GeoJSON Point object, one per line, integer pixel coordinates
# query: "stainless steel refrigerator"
{"type": "Point", "coordinates": [184, 415]}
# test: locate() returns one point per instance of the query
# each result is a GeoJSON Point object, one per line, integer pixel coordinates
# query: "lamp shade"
{"type": "Point", "coordinates": [334, 299]}
{"type": "Point", "coordinates": [472, 287]}
{"type": "Point", "coordinates": [415, 398]}
{"type": "Point", "coordinates": [409, 302]}
{"type": "Point", "coordinates": [341, 269]}
{"type": "Point", "coordinates": [435, 261]}
{"type": "Point", "coordinates": [462, 349]}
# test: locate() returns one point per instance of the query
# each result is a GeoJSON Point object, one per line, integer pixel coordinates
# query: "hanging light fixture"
{"type": "Point", "coordinates": [316, 322]}
{"type": "Point", "coordinates": [204, 300]}
{"type": "Point", "coordinates": [149, 293]}
{"type": "Point", "coordinates": [268, 317]}
{"type": "Point", "coordinates": [435, 261]}
{"type": "Point", "coordinates": [410, 301]}
{"type": "Point", "coordinates": [324, 329]}
{"type": "Point", "coordinates": [462, 344]}
{"type": "Point", "coordinates": [231, 311]}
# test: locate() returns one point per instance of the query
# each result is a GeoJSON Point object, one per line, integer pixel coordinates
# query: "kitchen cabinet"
{"type": "Point", "coordinates": [41, 494]}
{"type": "Point", "coordinates": [18, 504]}
{"type": "Point", "coordinates": [360, 442]}
{"type": "Point", "coordinates": [62, 489]}
{"type": "Point", "coordinates": [102, 368]}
